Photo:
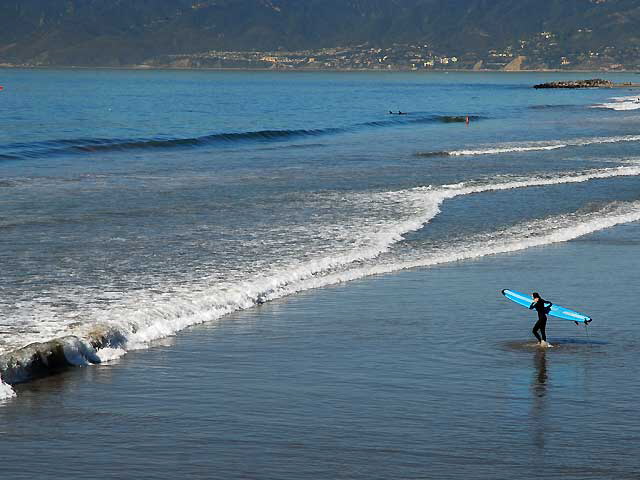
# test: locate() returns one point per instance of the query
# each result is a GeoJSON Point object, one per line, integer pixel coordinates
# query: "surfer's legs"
{"type": "Point", "coordinates": [543, 328]}
{"type": "Point", "coordinates": [535, 331]}
{"type": "Point", "coordinates": [541, 325]}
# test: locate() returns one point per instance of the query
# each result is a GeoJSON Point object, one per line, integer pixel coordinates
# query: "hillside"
{"type": "Point", "coordinates": [129, 32]}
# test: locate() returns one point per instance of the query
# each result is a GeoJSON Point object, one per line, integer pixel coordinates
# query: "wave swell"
{"type": "Point", "coordinates": [140, 322]}
{"type": "Point", "coordinates": [34, 150]}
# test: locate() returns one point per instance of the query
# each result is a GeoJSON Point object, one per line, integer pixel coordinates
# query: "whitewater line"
{"type": "Point", "coordinates": [80, 352]}
{"type": "Point", "coordinates": [139, 321]}
{"type": "Point", "coordinates": [481, 248]}
{"type": "Point", "coordinates": [244, 295]}
{"type": "Point", "coordinates": [227, 298]}
{"type": "Point", "coordinates": [541, 147]}
{"type": "Point", "coordinates": [621, 103]}
{"type": "Point", "coordinates": [624, 171]}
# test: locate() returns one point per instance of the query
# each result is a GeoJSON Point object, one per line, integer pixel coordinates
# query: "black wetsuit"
{"type": "Point", "coordinates": [541, 324]}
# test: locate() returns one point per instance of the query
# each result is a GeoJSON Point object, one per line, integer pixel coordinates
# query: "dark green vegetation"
{"type": "Point", "coordinates": [549, 33]}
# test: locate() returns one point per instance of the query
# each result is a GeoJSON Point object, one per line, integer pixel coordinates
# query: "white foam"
{"type": "Point", "coordinates": [506, 149]}
{"type": "Point", "coordinates": [504, 243]}
{"type": "Point", "coordinates": [6, 391]}
{"type": "Point", "coordinates": [623, 171]}
{"type": "Point", "coordinates": [144, 316]}
{"type": "Point", "coordinates": [621, 103]}
{"type": "Point", "coordinates": [380, 220]}
{"type": "Point", "coordinates": [109, 354]}
{"type": "Point", "coordinates": [150, 319]}
{"type": "Point", "coordinates": [514, 148]}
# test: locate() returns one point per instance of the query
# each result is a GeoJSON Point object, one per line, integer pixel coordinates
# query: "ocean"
{"type": "Point", "coordinates": [291, 280]}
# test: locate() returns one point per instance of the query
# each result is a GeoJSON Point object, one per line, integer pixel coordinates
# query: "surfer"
{"type": "Point", "coordinates": [541, 325]}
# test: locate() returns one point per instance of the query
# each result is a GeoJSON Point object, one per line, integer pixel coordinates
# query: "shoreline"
{"type": "Point", "coordinates": [102, 343]}
{"type": "Point", "coordinates": [383, 364]}
{"type": "Point", "coordinates": [304, 70]}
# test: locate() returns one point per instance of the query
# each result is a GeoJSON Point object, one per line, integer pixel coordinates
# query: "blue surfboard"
{"type": "Point", "coordinates": [555, 310]}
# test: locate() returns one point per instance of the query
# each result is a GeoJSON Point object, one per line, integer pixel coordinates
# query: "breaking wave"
{"type": "Point", "coordinates": [136, 322]}
{"type": "Point", "coordinates": [6, 391]}
{"type": "Point", "coordinates": [532, 147]}
{"type": "Point", "coordinates": [621, 103]}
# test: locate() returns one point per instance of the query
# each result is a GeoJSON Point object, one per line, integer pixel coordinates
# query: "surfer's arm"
{"type": "Point", "coordinates": [532, 306]}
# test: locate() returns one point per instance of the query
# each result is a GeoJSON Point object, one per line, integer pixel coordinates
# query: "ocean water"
{"type": "Point", "coordinates": [137, 204]}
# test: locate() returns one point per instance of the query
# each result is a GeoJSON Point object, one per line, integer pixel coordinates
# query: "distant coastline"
{"type": "Point", "coordinates": [141, 67]}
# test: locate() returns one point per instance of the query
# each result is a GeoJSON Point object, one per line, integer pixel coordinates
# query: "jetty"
{"type": "Point", "coordinates": [591, 83]}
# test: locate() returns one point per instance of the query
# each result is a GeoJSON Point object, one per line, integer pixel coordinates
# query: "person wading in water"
{"type": "Point", "coordinates": [541, 325]}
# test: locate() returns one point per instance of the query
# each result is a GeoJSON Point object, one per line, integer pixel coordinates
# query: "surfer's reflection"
{"type": "Point", "coordinates": [540, 381]}
{"type": "Point", "coordinates": [539, 390]}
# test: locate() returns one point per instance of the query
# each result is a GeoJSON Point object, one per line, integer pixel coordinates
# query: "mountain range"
{"type": "Point", "coordinates": [134, 32]}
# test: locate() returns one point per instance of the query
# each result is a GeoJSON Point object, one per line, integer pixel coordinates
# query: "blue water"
{"type": "Point", "coordinates": [126, 190]}
{"type": "Point", "coordinates": [135, 204]}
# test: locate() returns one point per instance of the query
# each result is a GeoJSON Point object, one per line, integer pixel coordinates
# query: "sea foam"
{"type": "Point", "coordinates": [6, 391]}
{"type": "Point", "coordinates": [621, 103]}
{"type": "Point", "coordinates": [142, 318]}
{"type": "Point", "coordinates": [532, 147]}
{"type": "Point", "coordinates": [155, 320]}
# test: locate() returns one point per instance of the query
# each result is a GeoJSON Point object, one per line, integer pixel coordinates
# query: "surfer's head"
{"type": "Point", "coordinates": [535, 295]}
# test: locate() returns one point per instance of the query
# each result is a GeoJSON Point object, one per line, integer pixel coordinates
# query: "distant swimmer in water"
{"type": "Point", "coordinates": [541, 325]}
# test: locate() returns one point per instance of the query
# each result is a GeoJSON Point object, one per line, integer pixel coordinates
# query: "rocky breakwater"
{"type": "Point", "coordinates": [592, 83]}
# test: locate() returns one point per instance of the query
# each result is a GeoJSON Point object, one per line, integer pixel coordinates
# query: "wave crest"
{"type": "Point", "coordinates": [17, 151]}
{"type": "Point", "coordinates": [146, 322]}
{"type": "Point", "coordinates": [531, 147]}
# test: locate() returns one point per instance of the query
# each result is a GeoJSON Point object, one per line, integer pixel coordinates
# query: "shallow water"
{"type": "Point", "coordinates": [274, 209]}
{"type": "Point", "coordinates": [166, 199]}
{"type": "Point", "coordinates": [428, 373]}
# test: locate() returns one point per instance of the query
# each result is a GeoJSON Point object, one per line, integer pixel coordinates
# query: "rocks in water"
{"type": "Point", "coordinates": [592, 83]}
